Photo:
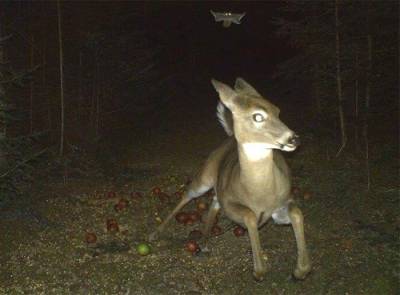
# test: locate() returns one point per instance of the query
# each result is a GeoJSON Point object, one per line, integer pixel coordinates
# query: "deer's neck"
{"type": "Point", "coordinates": [256, 164]}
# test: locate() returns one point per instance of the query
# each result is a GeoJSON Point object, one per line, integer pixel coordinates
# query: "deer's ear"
{"type": "Point", "coordinates": [278, 110]}
{"type": "Point", "coordinates": [226, 93]}
{"type": "Point", "coordinates": [242, 86]}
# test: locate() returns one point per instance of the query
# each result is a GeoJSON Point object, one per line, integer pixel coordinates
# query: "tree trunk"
{"type": "Point", "coordinates": [98, 94]}
{"type": "Point", "coordinates": [60, 42]}
{"type": "Point", "coordinates": [44, 84]}
{"type": "Point", "coordinates": [316, 74]}
{"type": "Point", "coordinates": [367, 104]}
{"type": "Point", "coordinates": [93, 100]}
{"type": "Point", "coordinates": [31, 85]}
{"type": "Point", "coordinates": [316, 91]}
{"type": "Point", "coordinates": [356, 104]}
{"type": "Point", "coordinates": [339, 83]}
{"type": "Point", "coordinates": [80, 88]}
{"type": "Point", "coordinates": [2, 88]}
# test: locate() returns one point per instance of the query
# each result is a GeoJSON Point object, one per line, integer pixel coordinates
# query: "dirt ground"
{"type": "Point", "coordinates": [352, 234]}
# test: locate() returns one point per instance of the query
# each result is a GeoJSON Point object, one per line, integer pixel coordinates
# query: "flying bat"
{"type": "Point", "coordinates": [228, 17]}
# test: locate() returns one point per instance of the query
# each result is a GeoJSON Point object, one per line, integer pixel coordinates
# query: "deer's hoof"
{"type": "Point", "coordinates": [258, 276]}
{"type": "Point", "coordinates": [301, 273]}
{"type": "Point", "coordinates": [153, 236]}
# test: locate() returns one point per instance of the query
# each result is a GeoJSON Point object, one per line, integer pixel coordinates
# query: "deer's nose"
{"type": "Point", "coordinates": [294, 140]}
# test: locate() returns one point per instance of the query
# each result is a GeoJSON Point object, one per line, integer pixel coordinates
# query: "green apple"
{"type": "Point", "coordinates": [143, 249]}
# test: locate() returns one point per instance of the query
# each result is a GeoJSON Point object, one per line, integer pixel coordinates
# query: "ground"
{"type": "Point", "coordinates": [352, 234]}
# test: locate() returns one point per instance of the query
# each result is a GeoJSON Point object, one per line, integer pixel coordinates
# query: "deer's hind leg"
{"type": "Point", "coordinates": [204, 181]}
{"type": "Point", "coordinates": [200, 184]}
{"type": "Point", "coordinates": [210, 220]}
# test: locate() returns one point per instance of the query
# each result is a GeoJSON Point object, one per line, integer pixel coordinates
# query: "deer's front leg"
{"type": "Point", "coordinates": [249, 218]}
{"type": "Point", "coordinates": [303, 260]}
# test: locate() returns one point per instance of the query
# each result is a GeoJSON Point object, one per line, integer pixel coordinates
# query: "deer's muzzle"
{"type": "Point", "coordinates": [290, 142]}
{"type": "Point", "coordinates": [294, 140]}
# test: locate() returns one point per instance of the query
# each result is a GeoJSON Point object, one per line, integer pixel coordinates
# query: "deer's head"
{"type": "Point", "coordinates": [256, 122]}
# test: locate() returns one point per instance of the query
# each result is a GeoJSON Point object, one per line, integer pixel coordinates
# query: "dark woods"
{"type": "Point", "coordinates": [349, 64]}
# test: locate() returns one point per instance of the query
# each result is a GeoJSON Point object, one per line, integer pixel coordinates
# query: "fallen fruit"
{"type": "Point", "coordinates": [216, 230]}
{"type": "Point", "coordinates": [202, 206]}
{"type": "Point", "coordinates": [307, 195]}
{"type": "Point", "coordinates": [112, 225]}
{"type": "Point", "coordinates": [111, 195]}
{"type": "Point", "coordinates": [117, 207]}
{"type": "Point", "coordinates": [143, 249]}
{"type": "Point", "coordinates": [189, 221]}
{"type": "Point", "coordinates": [181, 217]}
{"type": "Point", "coordinates": [121, 205]}
{"type": "Point", "coordinates": [156, 190]}
{"type": "Point", "coordinates": [192, 247]}
{"type": "Point", "coordinates": [136, 195]}
{"type": "Point", "coordinates": [194, 216]}
{"type": "Point", "coordinates": [239, 231]}
{"type": "Point", "coordinates": [90, 238]}
{"type": "Point", "coordinates": [295, 191]}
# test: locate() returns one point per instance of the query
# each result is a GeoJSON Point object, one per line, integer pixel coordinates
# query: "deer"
{"type": "Point", "coordinates": [248, 173]}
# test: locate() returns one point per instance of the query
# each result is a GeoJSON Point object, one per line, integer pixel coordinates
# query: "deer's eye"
{"type": "Point", "coordinates": [257, 117]}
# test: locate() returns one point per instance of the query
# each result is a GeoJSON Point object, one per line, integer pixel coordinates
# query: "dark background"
{"type": "Point", "coordinates": [181, 40]}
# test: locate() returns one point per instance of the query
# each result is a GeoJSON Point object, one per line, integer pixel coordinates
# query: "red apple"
{"type": "Point", "coordinates": [189, 221]}
{"type": "Point", "coordinates": [216, 230]}
{"type": "Point", "coordinates": [136, 195]}
{"type": "Point", "coordinates": [156, 190]}
{"type": "Point", "coordinates": [194, 216]}
{"type": "Point", "coordinates": [307, 195]}
{"type": "Point", "coordinates": [202, 206]}
{"type": "Point", "coordinates": [112, 225]}
{"type": "Point", "coordinates": [192, 247]}
{"type": "Point", "coordinates": [239, 231]}
{"type": "Point", "coordinates": [181, 217]}
{"type": "Point", "coordinates": [295, 191]}
{"type": "Point", "coordinates": [90, 238]}
{"type": "Point", "coordinates": [111, 195]}
{"type": "Point", "coordinates": [121, 205]}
